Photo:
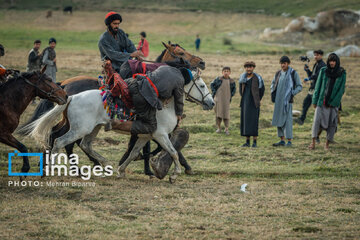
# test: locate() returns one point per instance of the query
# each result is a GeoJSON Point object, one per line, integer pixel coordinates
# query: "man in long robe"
{"type": "Point", "coordinates": [285, 85]}
{"type": "Point", "coordinates": [252, 88]}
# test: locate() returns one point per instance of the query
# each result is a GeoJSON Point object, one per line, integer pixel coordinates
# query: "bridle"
{"type": "Point", "coordinates": [37, 88]}
{"type": "Point", "coordinates": [190, 98]}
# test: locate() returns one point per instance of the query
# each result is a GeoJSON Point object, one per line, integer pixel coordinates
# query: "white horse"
{"type": "Point", "coordinates": [85, 114]}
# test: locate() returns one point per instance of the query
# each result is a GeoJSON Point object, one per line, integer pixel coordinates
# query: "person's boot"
{"type": "Point", "coordinates": [299, 121]}
{"type": "Point", "coordinates": [247, 144]}
{"type": "Point", "coordinates": [279, 144]}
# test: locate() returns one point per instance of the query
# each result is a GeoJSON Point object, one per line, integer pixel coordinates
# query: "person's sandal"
{"type": "Point", "coordinates": [312, 146]}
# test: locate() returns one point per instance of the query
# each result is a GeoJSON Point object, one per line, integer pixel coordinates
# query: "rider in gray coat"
{"type": "Point", "coordinates": [147, 91]}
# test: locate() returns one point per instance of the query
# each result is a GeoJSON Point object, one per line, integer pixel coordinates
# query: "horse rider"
{"type": "Point", "coordinates": [114, 44]}
{"type": "Point", "coordinates": [147, 91]}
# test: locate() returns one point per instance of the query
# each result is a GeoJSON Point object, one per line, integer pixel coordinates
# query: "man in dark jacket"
{"type": "Point", "coordinates": [147, 91]}
{"type": "Point", "coordinates": [312, 77]}
{"type": "Point", "coordinates": [114, 44]}
{"type": "Point", "coordinates": [34, 58]}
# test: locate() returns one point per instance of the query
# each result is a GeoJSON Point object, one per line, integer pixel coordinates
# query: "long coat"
{"type": "Point", "coordinates": [117, 49]}
{"type": "Point", "coordinates": [250, 113]}
{"type": "Point", "coordinates": [284, 91]}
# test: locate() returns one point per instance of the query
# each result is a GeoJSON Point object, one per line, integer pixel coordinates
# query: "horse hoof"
{"type": "Point", "coordinates": [22, 178]}
{"type": "Point", "coordinates": [151, 176]}
{"type": "Point", "coordinates": [121, 175]}
{"type": "Point", "coordinates": [172, 179]}
{"type": "Point", "coordinates": [189, 172]}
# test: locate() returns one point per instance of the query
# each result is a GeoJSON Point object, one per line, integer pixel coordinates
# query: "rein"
{"type": "Point", "coordinates": [49, 94]}
{"type": "Point", "coordinates": [190, 98]}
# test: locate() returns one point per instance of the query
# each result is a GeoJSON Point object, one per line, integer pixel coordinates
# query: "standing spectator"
{"type": "Point", "coordinates": [197, 42]}
{"type": "Point", "coordinates": [312, 77]}
{"type": "Point", "coordinates": [34, 58]}
{"type": "Point", "coordinates": [223, 89]}
{"type": "Point", "coordinates": [252, 88]}
{"type": "Point", "coordinates": [49, 59]}
{"type": "Point", "coordinates": [285, 85]}
{"type": "Point", "coordinates": [143, 45]}
{"type": "Point", "coordinates": [329, 89]}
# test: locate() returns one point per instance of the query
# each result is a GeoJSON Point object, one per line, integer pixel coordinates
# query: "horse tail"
{"type": "Point", "coordinates": [43, 107]}
{"type": "Point", "coordinates": [41, 128]}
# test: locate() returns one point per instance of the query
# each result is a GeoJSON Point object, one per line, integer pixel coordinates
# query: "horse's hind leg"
{"type": "Point", "coordinates": [166, 144]}
{"type": "Point", "coordinates": [86, 146]}
{"type": "Point", "coordinates": [69, 149]}
{"type": "Point", "coordinates": [69, 137]}
{"type": "Point", "coordinates": [146, 154]}
{"type": "Point", "coordinates": [140, 143]}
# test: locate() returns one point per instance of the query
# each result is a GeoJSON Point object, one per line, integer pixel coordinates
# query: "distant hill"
{"type": "Point", "coordinates": [270, 7]}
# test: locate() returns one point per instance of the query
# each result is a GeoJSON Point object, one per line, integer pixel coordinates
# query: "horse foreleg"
{"type": "Point", "coordinates": [166, 144]}
{"type": "Point", "coordinates": [86, 146]}
{"type": "Point", "coordinates": [140, 143]}
{"type": "Point", "coordinates": [11, 141]}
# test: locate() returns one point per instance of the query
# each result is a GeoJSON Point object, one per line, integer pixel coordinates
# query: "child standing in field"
{"type": "Point", "coordinates": [223, 89]}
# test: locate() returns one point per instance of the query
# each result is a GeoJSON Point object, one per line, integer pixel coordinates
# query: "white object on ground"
{"type": "Point", "coordinates": [243, 187]}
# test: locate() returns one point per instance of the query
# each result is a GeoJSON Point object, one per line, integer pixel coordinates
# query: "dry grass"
{"type": "Point", "coordinates": [293, 193]}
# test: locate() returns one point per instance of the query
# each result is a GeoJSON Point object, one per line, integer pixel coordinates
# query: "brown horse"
{"type": "Point", "coordinates": [15, 96]}
{"type": "Point", "coordinates": [170, 53]}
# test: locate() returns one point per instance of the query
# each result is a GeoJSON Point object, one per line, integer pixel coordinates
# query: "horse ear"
{"type": "Point", "coordinates": [43, 69]}
{"type": "Point", "coordinates": [166, 46]}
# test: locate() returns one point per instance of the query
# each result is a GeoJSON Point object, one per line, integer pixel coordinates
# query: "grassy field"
{"type": "Point", "coordinates": [275, 7]}
{"type": "Point", "coordinates": [293, 193]}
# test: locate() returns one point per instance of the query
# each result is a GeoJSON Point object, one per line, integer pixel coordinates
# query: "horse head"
{"type": "Point", "coordinates": [44, 86]}
{"type": "Point", "coordinates": [174, 51]}
{"type": "Point", "coordinates": [196, 91]}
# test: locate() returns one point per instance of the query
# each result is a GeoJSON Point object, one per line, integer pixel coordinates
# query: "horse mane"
{"type": "Point", "coordinates": [158, 59]}
{"type": "Point", "coordinates": [12, 80]}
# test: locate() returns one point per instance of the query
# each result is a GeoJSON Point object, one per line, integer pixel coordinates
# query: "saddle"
{"type": "Point", "coordinates": [115, 94]}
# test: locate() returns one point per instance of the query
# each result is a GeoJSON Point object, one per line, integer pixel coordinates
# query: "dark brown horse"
{"type": "Point", "coordinates": [15, 96]}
